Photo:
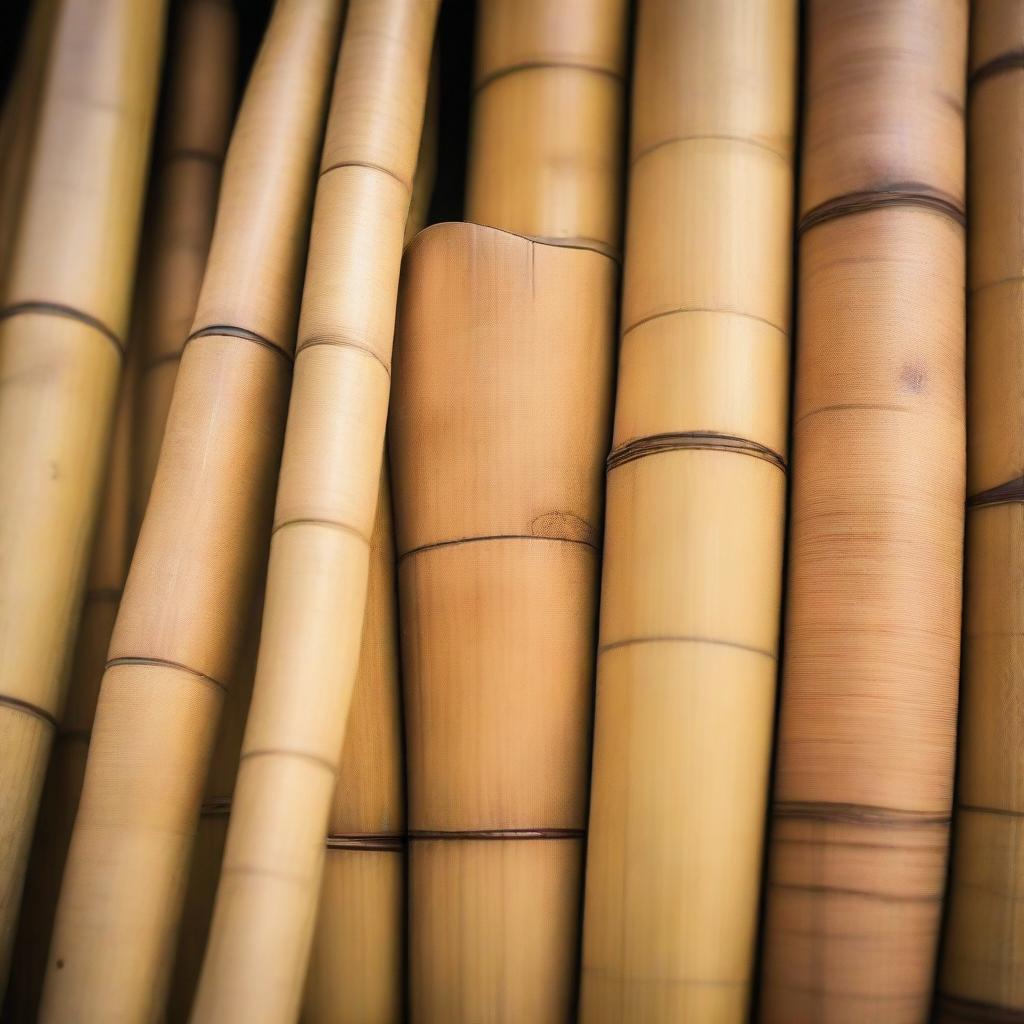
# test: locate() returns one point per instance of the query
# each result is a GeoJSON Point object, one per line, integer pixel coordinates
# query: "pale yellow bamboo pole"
{"type": "Point", "coordinates": [63, 318]}
{"type": "Point", "coordinates": [692, 574]}
{"type": "Point", "coordinates": [180, 627]}
{"type": "Point", "coordinates": [265, 914]}
{"type": "Point", "coordinates": [982, 975]}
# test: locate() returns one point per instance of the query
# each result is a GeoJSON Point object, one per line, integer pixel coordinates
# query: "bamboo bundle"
{"type": "Point", "coordinates": [264, 918]}
{"type": "Point", "coordinates": [982, 976]}
{"type": "Point", "coordinates": [695, 523]}
{"type": "Point", "coordinates": [64, 314]}
{"type": "Point", "coordinates": [865, 758]}
{"type": "Point", "coordinates": [498, 480]}
{"type": "Point", "coordinates": [544, 155]}
{"type": "Point", "coordinates": [180, 626]}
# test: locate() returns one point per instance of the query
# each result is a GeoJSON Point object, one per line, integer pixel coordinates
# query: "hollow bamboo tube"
{"type": "Point", "coordinates": [696, 492]}
{"type": "Point", "coordinates": [64, 314]}
{"type": "Point", "coordinates": [265, 913]}
{"type": "Point", "coordinates": [982, 976]}
{"type": "Point", "coordinates": [545, 154]}
{"type": "Point", "coordinates": [499, 431]}
{"type": "Point", "coordinates": [180, 626]}
{"type": "Point", "coordinates": [869, 687]}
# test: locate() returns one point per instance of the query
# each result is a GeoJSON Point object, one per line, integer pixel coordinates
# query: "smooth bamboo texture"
{"type": "Point", "coordinates": [982, 976]}
{"type": "Point", "coordinates": [187, 167]}
{"type": "Point", "coordinates": [864, 774]}
{"type": "Point", "coordinates": [264, 918]}
{"type": "Point", "coordinates": [499, 431]}
{"type": "Point", "coordinates": [545, 140]}
{"type": "Point", "coordinates": [63, 318]}
{"type": "Point", "coordinates": [180, 628]}
{"type": "Point", "coordinates": [696, 492]}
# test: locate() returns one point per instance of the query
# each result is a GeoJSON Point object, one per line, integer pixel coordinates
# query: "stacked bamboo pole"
{"type": "Point", "coordinates": [982, 975]}
{"type": "Point", "coordinates": [695, 523]}
{"type": "Point", "coordinates": [264, 918]}
{"type": "Point", "coordinates": [180, 626]}
{"type": "Point", "coordinates": [64, 316]}
{"type": "Point", "coordinates": [869, 687]}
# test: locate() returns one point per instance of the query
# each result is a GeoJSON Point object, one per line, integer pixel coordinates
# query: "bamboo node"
{"type": "Point", "coordinates": [497, 833]}
{"type": "Point", "coordinates": [28, 708]}
{"type": "Point", "coordinates": [1012, 60]}
{"type": "Point", "coordinates": [1012, 492]}
{"type": "Point", "coordinates": [369, 166]}
{"type": "Point", "coordinates": [898, 194]}
{"type": "Point", "coordinates": [545, 65]}
{"type": "Point", "coordinates": [42, 308]}
{"type": "Point", "coordinates": [699, 440]}
{"type": "Point", "coordinates": [242, 333]}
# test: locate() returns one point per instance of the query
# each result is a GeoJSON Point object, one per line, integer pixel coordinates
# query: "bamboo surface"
{"type": "Point", "coordinates": [982, 976]}
{"type": "Point", "coordinates": [499, 430]}
{"type": "Point", "coordinates": [63, 318]}
{"type": "Point", "coordinates": [262, 931]}
{"type": "Point", "coordinates": [692, 574]}
{"type": "Point", "coordinates": [869, 687]}
{"type": "Point", "coordinates": [180, 627]}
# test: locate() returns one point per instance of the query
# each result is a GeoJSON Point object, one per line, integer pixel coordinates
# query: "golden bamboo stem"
{"type": "Point", "coordinates": [982, 976]}
{"type": "Point", "coordinates": [265, 913]}
{"type": "Point", "coordinates": [498, 441]}
{"type": "Point", "coordinates": [692, 573]}
{"type": "Point", "coordinates": [180, 627]}
{"type": "Point", "coordinates": [869, 691]}
{"type": "Point", "coordinates": [63, 319]}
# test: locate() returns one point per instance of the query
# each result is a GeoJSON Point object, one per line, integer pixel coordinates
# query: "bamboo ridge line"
{"type": "Point", "coordinates": [976, 1011]}
{"type": "Point", "coordinates": [677, 140]}
{"type": "Point", "coordinates": [899, 194]}
{"type": "Point", "coordinates": [17, 704]}
{"type": "Point", "coordinates": [358, 346]}
{"type": "Point", "coordinates": [1012, 492]}
{"type": "Point", "coordinates": [43, 308]}
{"type": "Point", "coordinates": [614, 645]}
{"type": "Point", "coordinates": [242, 333]}
{"type": "Point", "coordinates": [856, 814]}
{"type": "Point", "coordinates": [545, 65]}
{"type": "Point", "coordinates": [1012, 60]}
{"type": "Point", "coordinates": [700, 440]}
{"type": "Point", "coordinates": [517, 834]}
{"type": "Point", "coordinates": [367, 843]}
{"type": "Point", "coordinates": [369, 166]}
{"type": "Point", "coordinates": [495, 536]}
{"type": "Point", "coordinates": [165, 663]}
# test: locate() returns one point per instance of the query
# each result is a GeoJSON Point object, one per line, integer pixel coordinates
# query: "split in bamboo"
{"type": "Point", "coordinates": [692, 573]}
{"type": "Point", "coordinates": [180, 626]}
{"type": "Point", "coordinates": [869, 687]}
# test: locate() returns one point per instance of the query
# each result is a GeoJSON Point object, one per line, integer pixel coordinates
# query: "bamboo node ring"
{"type": "Point", "coordinates": [902, 194]}
{"type": "Point", "coordinates": [700, 440]}
{"type": "Point", "coordinates": [28, 708]}
{"type": "Point", "coordinates": [1010, 61]}
{"type": "Point", "coordinates": [242, 333]}
{"type": "Point", "coordinates": [42, 308]}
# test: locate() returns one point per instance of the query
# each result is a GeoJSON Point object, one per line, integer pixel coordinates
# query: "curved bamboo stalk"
{"type": "Point", "coordinates": [869, 694]}
{"type": "Point", "coordinates": [502, 551]}
{"type": "Point", "coordinates": [692, 573]}
{"type": "Point", "coordinates": [265, 913]}
{"type": "Point", "coordinates": [982, 975]}
{"type": "Point", "coordinates": [64, 314]}
{"type": "Point", "coordinates": [180, 626]}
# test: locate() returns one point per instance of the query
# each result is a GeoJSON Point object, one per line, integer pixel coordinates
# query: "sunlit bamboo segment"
{"type": "Point", "coordinates": [545, 140]}
{"type": "Point", "coordinates": [696, 490]}
{"type": "Point", "coordinates": [863, 786]}
{"type": "Point", "coordinates": [180, 629]}
{"type": "Point", "coordinates": [499, 432]}
{"type": "Point", "coordinates": [982, 975]}
{"type": "Point", "coordinates": [264, 918]}
{"type": "Point", "coordinates": [63, 319]}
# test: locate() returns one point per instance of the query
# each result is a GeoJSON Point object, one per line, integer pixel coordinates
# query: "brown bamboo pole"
{"type": "Point", "coordinates": [180, 626]}
{"type": "Point", "coordinates": [265, 913]}
{"type": "Point", "coordinates": [982, 976]}
{"type": "Point", "coordinates": [499, 431]}
{"type": "Point", "coordinates": [64, 314]}
{"type": "Point", "coordinates": [869, 686]}
{"type": "Point", "coordinates": [692, 573]}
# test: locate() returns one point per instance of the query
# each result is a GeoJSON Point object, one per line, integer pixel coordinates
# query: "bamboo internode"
{"type": "Point", "coordinates": [63, 321]}
{"type": "Point", "coordinates": [982, 976]}
{"type": "Point", "coordinates": [869, 687]}
{"type": "Point", "coordinates": [695, 519]}
{"type": "Point", "coordinates": [180, 626]}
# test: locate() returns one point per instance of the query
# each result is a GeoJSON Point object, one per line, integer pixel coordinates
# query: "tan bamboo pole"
{"type": "Point", "coordinates": [692, 574]}
{"type": "Point", "coordinates": [265, 913]}
{"type": "Point", "coordinates": [180, 626]}
{"type": "Point", "coordinates": [869, 687]}
{"type": "Point", "coordinates": [982, 976]}
{"type": "Point", "coordinates": [63, 316]}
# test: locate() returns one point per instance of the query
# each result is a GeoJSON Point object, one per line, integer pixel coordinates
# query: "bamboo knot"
{"type": "Point", "coordinates": [699, 440]}
{"type": "Point", "coordinates": [897, 194]}
{"type": "Point", "coordinates": [1010, 493]}
{"type": "Point", "coordinates": [41, 308]}
{"type": "Point", "coordinates": [1012, 60]}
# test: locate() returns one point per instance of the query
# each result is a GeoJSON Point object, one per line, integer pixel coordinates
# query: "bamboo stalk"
{"type": "Point", "coordinates": [65, 312]}
{"type": "Point", "coordinates": [692, 572]}
{"type": "Point", "coordinates": [499, 430]}
{"type": "Point", "coordinates": [982, 976]}
{"type": "Point", "coordinates": [265, 913]}
{"type": "Point", "coordinates": [180, 627]}
{"type": "Point", "coordinates": [869, 695]}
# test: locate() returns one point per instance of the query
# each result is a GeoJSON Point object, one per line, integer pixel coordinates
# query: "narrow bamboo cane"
{"type": "Point", "coordinates": [869, 688]}
{"type": "Point", "coordinates": [692, 573]}
{"type": "Point", "coordinates": [180, 626]}
{"type": "Point", "coordinates": [263, 924]}
{"type": "Point", "coordinates": [64, 314]}
{"type": "Point", "coordinates": [982, 976]}
{"type": "Point", "coordinates": [499, 431]}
